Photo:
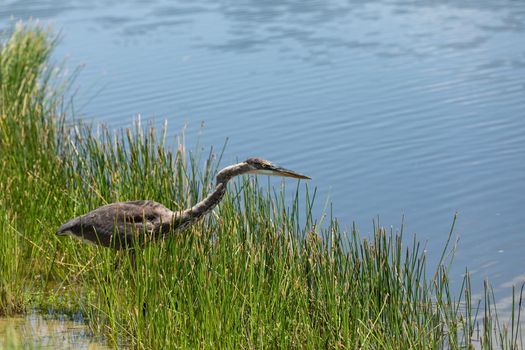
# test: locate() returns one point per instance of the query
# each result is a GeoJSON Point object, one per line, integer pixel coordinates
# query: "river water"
{"type": "Point", "coordinates": [413, 108]}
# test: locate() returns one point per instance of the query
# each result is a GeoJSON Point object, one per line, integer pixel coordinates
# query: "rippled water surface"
{"type": "Point", "coordinates": [392, 107]}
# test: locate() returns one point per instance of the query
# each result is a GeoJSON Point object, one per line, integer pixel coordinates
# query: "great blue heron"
{"type": "Point", "coordinates": [120, 225]}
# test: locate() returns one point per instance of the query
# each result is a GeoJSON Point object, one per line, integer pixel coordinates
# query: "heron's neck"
{"type": "Point", "coordinates": [207, 204]}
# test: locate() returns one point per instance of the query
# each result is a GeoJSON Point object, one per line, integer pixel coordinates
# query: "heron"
{"type": "Point", "coordinates": [123, 225]}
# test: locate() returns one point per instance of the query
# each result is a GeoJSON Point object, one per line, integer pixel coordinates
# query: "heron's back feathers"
{"type": "Point", "coordinates": [119, 224]}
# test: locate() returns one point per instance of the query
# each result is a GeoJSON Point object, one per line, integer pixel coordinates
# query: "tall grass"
{"type": "Point", "coordinates": [27, 142]}
{"type": "Point", "coordinates": [257, 273]}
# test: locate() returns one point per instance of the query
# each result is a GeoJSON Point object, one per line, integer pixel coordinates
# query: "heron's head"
{"type": "Point", "coordinates": [264, 167]}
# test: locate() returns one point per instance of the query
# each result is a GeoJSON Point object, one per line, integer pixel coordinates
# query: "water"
{"type": "Point", "coordinates": [392, 107]}
{"type": "Point", "coordinates": [35, 331]}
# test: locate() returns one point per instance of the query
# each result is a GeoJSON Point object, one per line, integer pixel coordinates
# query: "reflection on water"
{"type": "Point", "coordinates": [36, 331]}
{"type": "Point", "coordinates": [393, 107]}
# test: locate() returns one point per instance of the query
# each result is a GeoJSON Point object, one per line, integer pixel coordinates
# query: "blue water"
{"type": "Point", "coordinates": [413, 108]}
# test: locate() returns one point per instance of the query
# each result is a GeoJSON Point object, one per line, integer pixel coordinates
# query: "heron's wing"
{"type": "Point", "coordinates": [144, 210]}
{"type": "Point", "coordinates": [129, 217]}
{"type": "Point", "coordinates": [123, 221]}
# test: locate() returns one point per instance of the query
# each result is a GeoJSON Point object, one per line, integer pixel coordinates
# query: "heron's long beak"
{"type": "Point", "coordinates": [278, 171]}
{"type": "Point", "coordinates": [289, 173]}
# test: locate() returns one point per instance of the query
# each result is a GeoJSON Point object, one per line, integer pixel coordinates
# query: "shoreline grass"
{"type": "Point", "coordinates": [256, 273]}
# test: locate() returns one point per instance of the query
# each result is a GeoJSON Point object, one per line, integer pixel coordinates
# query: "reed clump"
{"type": "Point", "coordinates": [257, 273]}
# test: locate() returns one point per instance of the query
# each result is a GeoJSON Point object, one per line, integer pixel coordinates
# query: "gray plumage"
{"type": "Point", "coordinates": [124, 224]}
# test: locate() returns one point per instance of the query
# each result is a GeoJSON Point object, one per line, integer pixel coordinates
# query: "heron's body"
{"type": "Point", "coordinates": [123, 224]}
{"type": "Point", "coordinates": [120, 224]}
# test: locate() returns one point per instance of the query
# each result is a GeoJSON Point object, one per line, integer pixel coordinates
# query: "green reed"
{"type": "Point", "coordinates": [258, 272]}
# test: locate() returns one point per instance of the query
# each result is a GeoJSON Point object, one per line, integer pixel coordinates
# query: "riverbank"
{"type": "Point", "coordinates": [257, 273]}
